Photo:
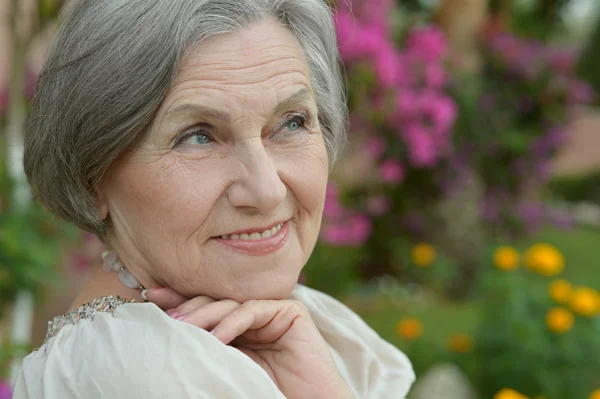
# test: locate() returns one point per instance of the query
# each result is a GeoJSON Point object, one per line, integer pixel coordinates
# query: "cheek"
{"type": "Point", "coordinates": [172, 195]}
{"type": "Point", "coordinates": [305, 171]}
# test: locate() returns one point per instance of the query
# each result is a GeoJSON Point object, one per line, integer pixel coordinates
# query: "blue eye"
{"type": "Point", "coordinates": [196, 137]}
{"type": "Point", "coordinates": [296, 123]}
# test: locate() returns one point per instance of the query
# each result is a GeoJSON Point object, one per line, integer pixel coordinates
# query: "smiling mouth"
{"type": "Point", "coordinates": [255, 243]}
{"type": "Point", "coordinates": [255, 236]}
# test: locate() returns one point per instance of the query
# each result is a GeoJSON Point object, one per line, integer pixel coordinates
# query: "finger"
{"type": "Point", "coordinates": [194, 304]}
{"type": "Point", "coordinates": [165, 298]}
{"type": "Point", "coordinates": [271, 319]}
{"type": "Point", "coordinates": [208, 316]}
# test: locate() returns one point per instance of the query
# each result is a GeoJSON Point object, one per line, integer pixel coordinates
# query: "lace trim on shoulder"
{"type": "Point", "coordinates": [107, 304]}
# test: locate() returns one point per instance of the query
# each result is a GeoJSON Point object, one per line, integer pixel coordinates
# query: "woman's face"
{"type": "Point", "coordinates": [224, 195]}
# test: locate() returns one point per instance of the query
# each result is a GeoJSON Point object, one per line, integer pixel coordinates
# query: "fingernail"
{"type": "Point", "coordinates": [212, 332]}
{"type": "Point", "coordinates": [173, 313]}
{"type": "Point", "coordinates": [181, 317]}
{"type": "Point", "coordinates": [150, 291]}
{"type": "Point", "coordinates": [144, 291]}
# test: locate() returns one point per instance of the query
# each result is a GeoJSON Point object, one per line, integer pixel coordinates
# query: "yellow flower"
{"type": "Point", "coordinates": [559, 320]}
{"type": "Point", "coordinates": [545, 259]}
{"type": "Point", "coordinates": [560, 291]}
{"type": "Point", "coordinates": [595, 394]}
{"type": "Point", "coordinates": [506, 258]}
{"type": "Point", "coordinates": [585, 301]}
{"type": "Point", "coordinates": [460, 343]}
{"type": "Point", "coordinates": [508, 393]}
{"type": "Point", "coordinates": [409, 328]}
{"type": "Point", "coordinates": [423, 254]}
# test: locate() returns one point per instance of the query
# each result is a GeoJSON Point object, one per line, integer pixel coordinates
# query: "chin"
{"type": "Point", "coordinates": [269, 288]}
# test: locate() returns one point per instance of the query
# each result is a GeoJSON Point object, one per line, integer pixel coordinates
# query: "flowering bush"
{"type": "Point", "coordinates": [534, 336]}
{"type": "Point", "coordinates": [400, 134]}
{"type": "Point", "coordinates": [541, 337]}
{"type": "Point", "coordinates": [529, 94]}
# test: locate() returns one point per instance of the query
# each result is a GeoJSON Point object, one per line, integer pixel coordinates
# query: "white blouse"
{"type": "Point", "coordinates": [138, 351]}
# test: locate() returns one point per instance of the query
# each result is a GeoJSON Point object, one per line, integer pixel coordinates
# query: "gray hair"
{"type": "Point", "coordinates": [110, 68]}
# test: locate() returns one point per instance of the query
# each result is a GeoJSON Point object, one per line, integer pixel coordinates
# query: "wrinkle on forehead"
{"type": "Point", "coordinates": [241, 68]}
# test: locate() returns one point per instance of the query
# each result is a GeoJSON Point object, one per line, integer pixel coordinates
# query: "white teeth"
{"type": "Point", "coordinates": [254, 236]}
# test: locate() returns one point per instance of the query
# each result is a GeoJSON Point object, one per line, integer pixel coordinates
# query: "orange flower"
{"type": "Point", "coordinates": [508, 393]}
{"type": "Point", "coordinates": [506, 258]}
{"type": "Point", "coordinates": [545, 259]}
{"type": "Point", "coordinates": [595, 394]}
{"type": "Point", "coordinates": [559, 320]}
{"type": "Point", "coordinates": [423, 254]}
{"type": "Point", "coordinates": [460, 343]}
{"type": "Point", "coordinates": [585, 301]}
{"type": "Point", "coordinates": [409, 328]}
{"type": "Point", "coordinates": [560, 291]}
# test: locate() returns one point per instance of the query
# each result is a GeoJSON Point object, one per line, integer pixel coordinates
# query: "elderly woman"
{"type": "Point", "coordinates": [194, 137]}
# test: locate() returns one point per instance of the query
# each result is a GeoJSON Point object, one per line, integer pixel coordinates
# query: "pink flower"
{"type": "Point", "coordinates": [333, 209]}
{"type": "Point", "coordinates": [379, 205]}
{"type": "Point", "coordinates": [405, 76]}
{"type": "Point", "coordinates": [334, 235]}
{"type": "Point", "coordinates": [387, 66]}
{"type": "Point", "coordinates": [5, 391]}
{"type": "Point", "coordinates": [375, 146]}
{"type": "Point", "coordinates": [359, 230]}
{"type": "Point", "coordinates": [422, 148]}
{"type": "Point", "coordinates": [435, 75]}
{"type": "Point", "coordinates": [428, 43]}
{"type": "Point", "coordinates": [353, 231]}
{"type": "Point", "coordinates": [441, 109]}
{"type": "Point", "coordinates": [408, 103]}
{"type": "Point", "coordinates": [391, 171]}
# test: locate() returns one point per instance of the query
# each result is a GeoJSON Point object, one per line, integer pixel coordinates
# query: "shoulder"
{"type": "Point", "coordinates": [139, 352]}
{"type": "Point", "coordinates": [372, 366]}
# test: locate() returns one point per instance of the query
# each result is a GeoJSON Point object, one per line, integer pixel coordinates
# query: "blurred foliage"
{"type": "Point", "coordinates": [31, 241]}
{"type": "Point", "coordinates": [8, 352]}
{"type": "Point", "coordinates": [589, 63]}
{"type": "Point", "coordinates": [333, 270]}
{"type": "Point", "coordinates": [583, 188]}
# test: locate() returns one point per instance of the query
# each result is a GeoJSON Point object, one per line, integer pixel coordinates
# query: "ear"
{"type": "Point", "coordinates": [101, 202]}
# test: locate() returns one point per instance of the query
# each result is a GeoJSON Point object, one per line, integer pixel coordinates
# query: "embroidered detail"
{"type": "Point", "coordinates": [107, 304]}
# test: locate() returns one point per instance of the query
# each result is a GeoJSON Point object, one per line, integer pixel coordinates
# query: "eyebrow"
{"type": "Point", "coordinates": [300, 97]}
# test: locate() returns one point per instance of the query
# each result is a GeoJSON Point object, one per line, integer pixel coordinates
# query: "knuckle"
{"type": "Point", "coordinates": [251, 304]}
{"type": "Point", "coordinates": [298, 306]}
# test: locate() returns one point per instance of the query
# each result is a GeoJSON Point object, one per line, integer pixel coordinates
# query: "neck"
{"type": "Point", "coordinates": [105, 284]}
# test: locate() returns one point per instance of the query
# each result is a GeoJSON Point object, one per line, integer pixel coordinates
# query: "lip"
{"type": "Point", "coordinates": [260, 247]}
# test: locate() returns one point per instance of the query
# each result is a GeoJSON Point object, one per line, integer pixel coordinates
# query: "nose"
{"type": "Point", "coordinates": [258, 187]}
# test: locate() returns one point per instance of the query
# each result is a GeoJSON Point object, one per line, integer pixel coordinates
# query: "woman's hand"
{"type": "Point", "coordinates": [279, 335]}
